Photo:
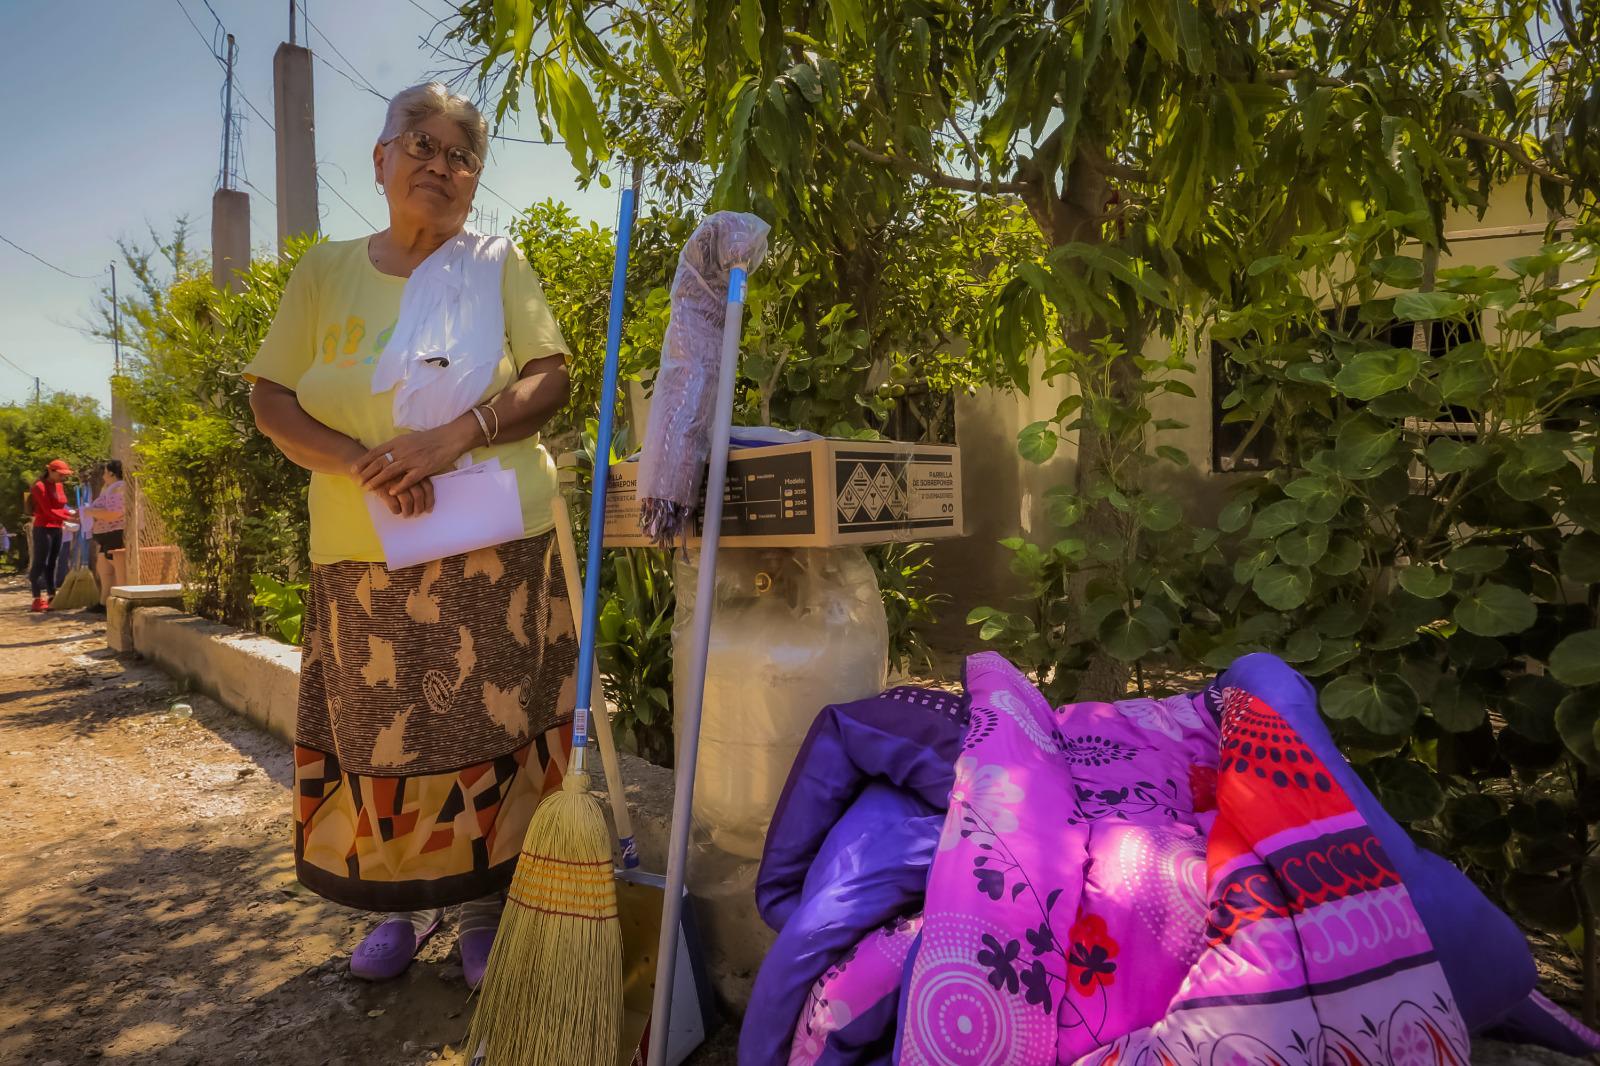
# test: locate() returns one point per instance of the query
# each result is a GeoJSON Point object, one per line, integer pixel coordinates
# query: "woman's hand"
{"type": "Point", "coordinates": [417, 500]}
{"type": "Point", "coordinates": [399, 465]}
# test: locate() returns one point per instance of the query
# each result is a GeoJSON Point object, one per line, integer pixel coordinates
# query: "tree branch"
{"type": "Point", "coordinates": [1120, 171]}
{"type": "Point", "coordinates": [1282, 76]}
{"type": "Point", "coordinates": [937, 177]}
{"type": "Point", "coordinates": [1514, 150]}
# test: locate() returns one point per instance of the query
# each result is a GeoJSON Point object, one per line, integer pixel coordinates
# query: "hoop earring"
{"type": "Point", "coordinates": [379, 186]}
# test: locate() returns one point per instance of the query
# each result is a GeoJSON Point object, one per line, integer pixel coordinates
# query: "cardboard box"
{"type": "Point", "coordinates": [817, 494]}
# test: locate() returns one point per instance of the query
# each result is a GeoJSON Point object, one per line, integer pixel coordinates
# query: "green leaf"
{"type": "Point", "coordinates": [1476, 820]}
{"type": "Point", "coordinates": [1576, 660]}
{"type": "Point", "coordinates": [1398, 271]}
{"type": "Point", "coordinates": [1322, 497]}
{"type": "Point", "coordinates": [1343, 557]}
{"type": "Point", "coordinates": [1157, 513]}
{"type": "Point", "coordinates": [1576, 719]}
{"type": "Point", "coordinates": [1172, 455]}
{"type": "Point", "coordinates": [1037, 442]}
{"type": "Point", "coordinates": [1313, 117]}
{"type": "Point", "coordinates": [1407, 789]}
{"type": "Point", "coordinates": [1424, 582]}
{"type": "Point", "coordinates": [1372, 374]}
{"type": "Point", "coordinates": [1283, 588]}
{"type": "Point", "coordinates": [1495, 610]}
{"type": "Point", "coordinates": [1386, 704]}
{"type": "Point", "coordinates": [666, 67]}
{"type": "Point", "coordinates": [1548, 903]}
{"type": "Point", "coordinates": [1064, 507]}
{"type": "Point", "coordinates": [1427, 306]}
{"type": "Point", "coordinates": [1304, 546]}
{"type": "Point", "coordinates": [1276, 519]}
{"type": "Point", "coordinates": [1235, 515]}
{"type": "Point", "coordinates": [750, 29]}
{"type": "Point", "coordinates": [1362, 444]}
{"type": "Point", "coordinates": [1580, 559]}
{"type": "Point", "coordinates": [1465, 380]}
{"type": "Point", "coordinates": [1304, 646]}
{"type": "Point", "coordinates": [1448, 456]}
{"type": "Point", "coordinates": [1130, 638]}
{"type": "Point", "coordinates": [1458, 707]}
{"type": "Point", "coordinates": [1581, 503]}
{"type": "Point", "coordinates": [1338, 620]}
{"type": "Point", "coordinates": [1476, 559]}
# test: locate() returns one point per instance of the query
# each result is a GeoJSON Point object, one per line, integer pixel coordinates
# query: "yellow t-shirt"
{"type": "Point", "coordinates": [336, 315]}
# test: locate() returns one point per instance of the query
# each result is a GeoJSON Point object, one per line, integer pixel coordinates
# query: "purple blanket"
{"type": "Point", "coordinates": [1195, 880]}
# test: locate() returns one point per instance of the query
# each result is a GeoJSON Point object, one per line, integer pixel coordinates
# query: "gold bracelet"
{"type": "Point", "coordinates": [483, 426]}
{"type": "Point", "coordinates": [496, 434]}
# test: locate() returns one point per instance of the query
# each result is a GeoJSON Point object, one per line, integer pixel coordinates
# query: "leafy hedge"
{"type": "Point", "coordinates": [232, 503]}
{"type": "Point", "coordinates": [1425, 543]}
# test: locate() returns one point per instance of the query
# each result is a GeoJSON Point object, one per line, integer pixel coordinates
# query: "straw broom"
{"type": "Point", "coordinates": [552, 994]}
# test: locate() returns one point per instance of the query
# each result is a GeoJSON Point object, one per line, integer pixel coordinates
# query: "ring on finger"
{"type": "Point", "coordinates": [388, 457]}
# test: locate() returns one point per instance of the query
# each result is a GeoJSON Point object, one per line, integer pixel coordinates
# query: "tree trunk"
{"type": "Point", "coordinates": [1076, 215]}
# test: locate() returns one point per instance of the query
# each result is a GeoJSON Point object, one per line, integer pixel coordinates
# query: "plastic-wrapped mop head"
{"type": "Point", "coordinates": [678, 438]}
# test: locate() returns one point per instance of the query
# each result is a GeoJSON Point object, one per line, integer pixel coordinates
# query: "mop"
{"type": "Point", "coordinates": [80, 589]}
{"type": "Point", "coordinates": [552, 994]}
{"type": "Point", "coordinates": [671, 517]}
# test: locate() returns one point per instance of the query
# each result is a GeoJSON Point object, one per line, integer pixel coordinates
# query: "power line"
{"type": "Point", "coordinates": [211, 46]}
{"type": "Point", "coordinates": [523, 140]}
{"type": "Point", "coordinates": [46, 262]}
{"type": "Point", "coordinates": [264, 196]}
{"type": "Point", "coordinates": [502, 199]}
{"type": "Point", "coordinates": [327, 185]}
{"type": "Point", "coordinates": [340, 71]}
{"type": "Point", "coordinates": [15, 367]}
{"type": "Point", "coordinates": [373, 89]}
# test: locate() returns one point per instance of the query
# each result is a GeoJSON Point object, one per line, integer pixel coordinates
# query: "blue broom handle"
{"type": "Point", "coordinates": [597, 496]}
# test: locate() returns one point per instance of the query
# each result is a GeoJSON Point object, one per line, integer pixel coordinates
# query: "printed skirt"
{"type": "Point", "coordinates": [435, 711]}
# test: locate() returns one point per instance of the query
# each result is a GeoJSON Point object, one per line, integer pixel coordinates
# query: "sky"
{"type": "Point", "coordinates": [113, 126]}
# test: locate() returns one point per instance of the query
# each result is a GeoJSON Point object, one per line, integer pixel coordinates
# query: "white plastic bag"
{"type": "Point", "coordinates": [793, 631]}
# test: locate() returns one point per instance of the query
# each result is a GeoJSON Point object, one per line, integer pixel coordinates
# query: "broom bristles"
{"type": "Point", "coordinates": [552, 994]}
{"type": "Point", "coordinates": [79, 590]}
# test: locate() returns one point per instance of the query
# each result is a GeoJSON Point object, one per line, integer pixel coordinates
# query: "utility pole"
{"type": "Point", "coordinates": [294, 113]}
{"type": "Point", "coordinates": [230, 208]}
{"type": "Point", "coordinates": [36, 399]}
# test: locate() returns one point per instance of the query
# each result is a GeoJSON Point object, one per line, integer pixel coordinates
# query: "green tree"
{"type": "Point", "coordinates": [1164, 151]}
{"type": "Point", "coordinates": [232, 503]}
{"type": "Point", "coordinates": [59, 426]}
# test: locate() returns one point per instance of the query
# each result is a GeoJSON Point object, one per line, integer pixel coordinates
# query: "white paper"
{"type": "Point", "coordinates": [473, 508]}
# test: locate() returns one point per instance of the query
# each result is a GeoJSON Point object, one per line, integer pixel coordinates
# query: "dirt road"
{"type": "Point", "coordinates": [149, 911]}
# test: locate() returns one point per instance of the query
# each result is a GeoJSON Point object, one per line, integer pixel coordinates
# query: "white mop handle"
{"type": "Point", "coordinates": [567, 545]}
{"type": "Point", "coordinates": [688, 715]}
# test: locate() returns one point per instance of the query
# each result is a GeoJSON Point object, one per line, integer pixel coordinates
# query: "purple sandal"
{"type": "Point", "coordinates": [388, 950]}
{"type": "Point", "coordinates": [475, 948]}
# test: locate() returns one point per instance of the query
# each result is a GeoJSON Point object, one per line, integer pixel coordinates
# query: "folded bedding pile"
{"type": "Point", "coordinates": [1201, 879]}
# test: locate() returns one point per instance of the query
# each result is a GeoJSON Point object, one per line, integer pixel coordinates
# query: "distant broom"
{"type": "Point", "coordinates": [552, 995]}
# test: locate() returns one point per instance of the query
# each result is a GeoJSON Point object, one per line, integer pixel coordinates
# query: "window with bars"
{"type": "Point", "coordinates": [1231, 452]}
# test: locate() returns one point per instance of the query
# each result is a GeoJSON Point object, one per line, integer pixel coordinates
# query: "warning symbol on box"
{"type": "Point", "coordinates": [854, 492]}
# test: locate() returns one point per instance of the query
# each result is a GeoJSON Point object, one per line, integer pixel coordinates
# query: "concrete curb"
{"type": "Point", "coordinates": [259, 678]}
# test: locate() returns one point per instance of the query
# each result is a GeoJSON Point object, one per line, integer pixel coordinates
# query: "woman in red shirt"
{"type": "Point", "coordinates": [50, 510]}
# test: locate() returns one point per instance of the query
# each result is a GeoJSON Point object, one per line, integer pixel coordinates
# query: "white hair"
{"type": "Point", "coordinates": [416, 105]}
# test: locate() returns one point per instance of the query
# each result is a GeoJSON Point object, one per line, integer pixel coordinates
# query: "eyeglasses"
{"type": "Point", "coordinates": [423, 146]}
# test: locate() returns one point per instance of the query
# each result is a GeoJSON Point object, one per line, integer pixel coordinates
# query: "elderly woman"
{"type": "Point", "coordinates": [435, 698]}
